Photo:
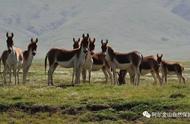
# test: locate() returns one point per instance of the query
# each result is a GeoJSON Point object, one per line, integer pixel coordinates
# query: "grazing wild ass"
{"type": "Point", "coordinates": [170, 68]}
{"type": "Point", "coordinates": [14, 59]}
{"type": "Point", "coordinates": [121, 76]}
{"type": "Point", "coordinates": [28, 57]}
{"type": "Point", "coordinates": [122, 61]}
{"type": "Point", "coordinates": [68, 59]}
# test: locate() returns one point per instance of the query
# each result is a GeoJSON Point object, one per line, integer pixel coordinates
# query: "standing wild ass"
{"type": "Point", "coordinates": [28, 57]}
{"type": "Point", "coordinates": [122, 61]}
{"type": "Point", "coordinates": [170, 68]}
{"type": "Point", "coordinates": [67, 58]}
{"type": "Point", "coordinates": [14, 59]}
{"type": "Point", "coordinates": [149, 65]}
{"type": "Point", "coordinates": [94, 61]}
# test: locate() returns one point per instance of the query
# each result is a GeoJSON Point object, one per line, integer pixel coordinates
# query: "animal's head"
{"type": "Point", "coordinates": [33, 46]}
{"type": "Point", "coordinates": [159, 58]}
{"type": "Point", "coordinates": [85, 42]}
{"type": "Point", "coordinates": [92, 44]}
{"type": "Point", "coordinates": [104, 46]}
{"type": "Point", "coordinates": [9, 40]}
{"type": "Point", "coordinates": [121, 76]}
{"type": "Point", "coordinates": [76, 43]}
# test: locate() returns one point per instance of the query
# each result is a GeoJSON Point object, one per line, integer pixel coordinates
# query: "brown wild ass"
{"type": "Point", "coordinates": [28, 57]}
{"type": "Point", "coordinates": [170, 68]}
{"type": "Point", "coordinates": [149, 65]}
{"type": "Point", "coordinates": [122, 61]}
{"type": "Point", "coordinates": [14, 59]}
{"type": "Point", "coordinates": [68, 59]}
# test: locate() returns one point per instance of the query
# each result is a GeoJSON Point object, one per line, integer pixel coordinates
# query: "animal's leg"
{"type": "Point", "coordinates": [183, 79]}
{"type": "Point", "coordinates": [10, 75]}
{"type": "Point", "coordinates": [4, 74]}
{"type": "Point", "coordinates": [153, 75]}
{"type": "Point", "coordinates": [158, 77]}
{"type": "Point", "coordinates": [73, 76]}
{"type": "Point", "coordinates": [89, 75]}
{"type": "Point", "coordinates": [77, 74]}
{"type": "Point", "coordinates": [25, 73]}
{"type": "Point", "coordinates": [50, 73]}
{"type": "Point", "coordinates": [15, 74]}
{"type": "Point", "coordinates": [105, 74]}
{"type": "Point", "coordinates": [136, 75]}
{"type": "Point", "coordinates": [179, 78]}
{"type": "Point", "coordinates": [114, 75]}
{"type": "Point", "coordinates": [132, 78]}
{"type": "Point", "coordinates": [166, 80]}
{"type": "Point", "coordinates": [84, 75]}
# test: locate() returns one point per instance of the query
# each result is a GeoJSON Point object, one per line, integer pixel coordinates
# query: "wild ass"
{"type": "Point", "coordinates": [68, 59]}
{"type": "Point", "coordinates": [149, 65]}
{"type": "Point", "coordinates": [122, 61]}
{"type": "Point", "coordinates": [14, 59]}
{"type": "Point", "coordinates": [94, 61]}
{"type": "Point", "coordinates": [28, 57]}
{"type": "Point", "coordinates": [170, 68]}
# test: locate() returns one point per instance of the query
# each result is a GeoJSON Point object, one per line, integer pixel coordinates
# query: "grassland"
{"type": "Point", "coordinates": [98, 102]}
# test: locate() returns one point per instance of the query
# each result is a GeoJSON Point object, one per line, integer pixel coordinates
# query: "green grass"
{"type": "Point", "coordinates": [97, 102]}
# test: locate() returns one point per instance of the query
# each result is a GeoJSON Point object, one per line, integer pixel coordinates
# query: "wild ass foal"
{"type": "Point", "coordinates": [67, 58]}
{"type": "Point", "coordinates": [170, 68]}
{"type": "Point", "coordinates": [28, 57]}
{"type": "Point", "coordinates": [149, 65]}
{"type": "Point", "coordinates": [122, 61]}
{"type": "Point", "coordinates": [14, 59]}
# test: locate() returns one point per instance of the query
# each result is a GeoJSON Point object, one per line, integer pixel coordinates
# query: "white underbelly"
{"type": "Point", "coordinates": [67, 64]}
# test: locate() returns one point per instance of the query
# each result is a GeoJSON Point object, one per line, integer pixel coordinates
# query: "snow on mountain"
{"type": "Point", "coordinates": [149, 26]}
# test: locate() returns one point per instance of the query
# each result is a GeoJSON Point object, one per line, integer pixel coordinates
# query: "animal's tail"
{"type": "Point", "coordinates": [46, 63]}
{"type": "Point", "coordinates": [182, 68]}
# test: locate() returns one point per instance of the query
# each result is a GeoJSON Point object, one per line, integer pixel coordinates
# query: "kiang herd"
{"type": "Point", "coordinates": [82, 59]}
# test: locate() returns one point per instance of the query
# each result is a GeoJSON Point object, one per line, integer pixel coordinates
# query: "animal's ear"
{"type": "Point", "coordinates": [102, 42]}
{"type": "Point", "coordinates": [87, 35]}
{"type": "Point", "coordinates": [83, 36]}
{"type": "Point", "coordinates": [157, 55]}
{"type": "Point", "coordinates": [32, 40]}
{"type": "Point", "coordinates": [94, 40]}
{"type": "Point", "coordinates": [161, 55]}
{"type": "Point", "coordinates": [36, 40]}
{"type": "Point", "coordinates": [78, 39]}
{"type": "Point", "coordinates": [73, 39]}
{"type": "Point", "coordinates": [7, 34]}
{"type": "Point", "coordinates": [12, 35]}
{"type": "Point", "coordinates": [106, 41]}
{"type": "Point", "coordinates": [90, 39]}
